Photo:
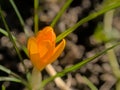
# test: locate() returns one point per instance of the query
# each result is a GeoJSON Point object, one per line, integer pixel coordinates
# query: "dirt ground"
{"type": "Point", "coordinates": [80, 44]}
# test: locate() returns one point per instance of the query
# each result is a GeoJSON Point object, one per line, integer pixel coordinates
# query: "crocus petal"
{"type": "Point", "coordinates": [44, 48]}
{"type": "Point", "coordinates": [46, 34]}
{"type": "Point", "coordinates": [57, 51]}
{"type": "Point", "coordinates": [32, 46]}
{"type": "Point", "coordinates": [36, 60]}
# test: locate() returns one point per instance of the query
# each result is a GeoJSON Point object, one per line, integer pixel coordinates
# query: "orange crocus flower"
{"type": "Point", "coordinates": [42, 48]}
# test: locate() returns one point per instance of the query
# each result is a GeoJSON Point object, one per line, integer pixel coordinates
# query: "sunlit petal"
{"type": "Point", "coordinates": [44, 48]}
{"type": "Point", "coordinates": [32, 46]}
{"type": "Point", "coordinates": [46, 34]}
{"type": "Point", "coordinates": [57, 51]}
{"type": "Point", "coordinates": [36, 60]}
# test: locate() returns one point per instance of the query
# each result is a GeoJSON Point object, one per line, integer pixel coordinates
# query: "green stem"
{"type": "Point", "coordinates": [113, 62]}
{"type": "Point", "coordinates": [18, 15]}
{"type": "Point", "coordinates": [86, 19]}
{"type": "Point", "coordinates": [13, 41]}
{"type": "Point", "coordinates": [36, 78]}
{"type": "Point", "coordinates": [66, 5]}
{"type": "Point", "coordinates": [89, 83]}
{"type": "Point", "coordinates": [77, 66]}
{"type": "Point", "coordinates": [3, 87]}
{"type": "Point", "coordinates": [36, 4]}
{"type": "Point", "coordinates": [118, 85]}
{"type": "Point", "coordinates": [8, 71]}
{"type": "Point", "coordinates": [111, 54]}
{"type": "Point", "coordinates": [5, 33]}
{"type": "Point", "coordinates": [108, 19]}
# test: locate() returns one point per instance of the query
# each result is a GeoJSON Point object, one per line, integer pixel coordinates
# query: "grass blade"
{"type": "Point", "coordinates": [18, 15]}
{"type": "Point", "coordinates": [3, 87]}
{"type": "Point", "coordinates": [2, 68]}
{"type": "Point", "coordinates": [36, 4]}
{"type": "Point", "coordinates": [12, 40]}
{"type": "Point", "coordinates": [66, 5]}
{"type": "Point", "coordinates": [10, 79]}
{"type": "Point", "coordinates": [112, 5]}
{"type": "Point", "coordinates": [8, 71]}
{"type": "Point", "coordinates": [77, 66]}
{"type": "Point", "coordinates": [89, 83]}
{"type": "Point", "coordinates": [5, 33]}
